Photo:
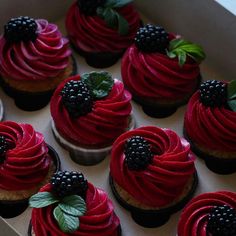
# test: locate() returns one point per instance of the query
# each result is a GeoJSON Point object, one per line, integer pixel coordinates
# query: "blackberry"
{"type": "Point", "coordinates": [3, 148]}
{"type": "Point", "coordinates": [69, 183]}
{"type": "Point", "coordinates": [137, 152]}
{"type": "Point", "coordinates": [151, 38]}
{"type": "Point", "coordinates": [213, 93]}
{"type": "Point", "coordinates": [222, 221]}
{"type": "Point", "coordinates": [76, 98]}
{"type": "Point", "coordinates": [22, 28]}
{"type": "Point", "coordinates": [89, 7]}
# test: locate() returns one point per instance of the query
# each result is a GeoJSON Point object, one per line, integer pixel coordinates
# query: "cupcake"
{"type": "Point", "coordinates": [210, 125]}
{"type": "Point", "coordinates": [161, 70]}
{"type": "Point", "coordinates": [152, 174]}
{"type": "Point", "coordinates": [101, 30]}
{"type": "Point", "coordinates": [212, 214]}
{"type": "Point", "coordinates": [34, 59]}
{"type": "Point", "coordinates": [26, 164]}
{"type": "Point", "coordinates": [78, 209]}
{"type": "Point", "coordinates": [88, 114]}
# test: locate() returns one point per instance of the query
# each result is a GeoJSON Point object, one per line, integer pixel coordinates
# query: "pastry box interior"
{"type": "Point", "coordinates": [198, 42]}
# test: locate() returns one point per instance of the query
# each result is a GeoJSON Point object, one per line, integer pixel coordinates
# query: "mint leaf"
{"type": "Point", "coordinates": [232, 104]}
{"type": "Point", "coordinates": [123, 25]}
{"type": "Point", "coordinates": [73, 205]}
{"type": "Point", "coordinates": [170, 54]}
{"type": "Point", "coordinates": [42, 199]}
{"type": "Point", "coordinates": [100, 11]}
{"type": "Point", "coordinates": [99, 83]}
{"type": "Point", "coordinates": [231, 89]}
{"type": "Point", "coordinates": [67, 223]}
{"type": "Point", "coordinates": [110, 17]}
{"type": "Point", "coordinates": [117, 3]}
{"type": "Point", "coordinates": [181, 57]}
{"type": "Point", "coordinates": [183, 48]}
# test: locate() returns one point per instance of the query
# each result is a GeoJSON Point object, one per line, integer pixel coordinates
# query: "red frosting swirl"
{"type": "Point", "coordinates": [211, 128]}
{"type": "Point", "coordinates": [156, 76]}
{"type": "Point", "coordinates": [165, 178]}
{"type": "Point", "coordinates": [99, 219]}
{"type": "Point", "coordinates": [46, 57]}
{"type": "Point", "coordinates": [107, 120]}
{"type": "Point", "coordinates": [91, 33]}
{"type": "Point", "coordinates": [26, 162]}
{"type": "Point", "coordinates": [194, 218]}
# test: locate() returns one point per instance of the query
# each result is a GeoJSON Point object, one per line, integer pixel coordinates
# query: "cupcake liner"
{"type": "Point", "coordinates": [1, 110]}
{"type": "Point", "coordinates": [9, 209]}
{"type": "Point", "coordinates": [99, 59]}
{"type": "Point", "coordinates": [216, 164]}
{"type": "Point", "coordinates": [162, 110]}
{"type": "Point", "coordinates": [29, 232]}
{"type": "Point", "coordinates": [31, 101]}
{"type": "Point", "coordinates": [86, 156]}
{"type": "Point", "coordinates": [153, 218]}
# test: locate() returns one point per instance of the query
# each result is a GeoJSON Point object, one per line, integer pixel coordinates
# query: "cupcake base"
{"type": "Point", "coordinates": [99, 59]}
{"type": "Point", "coordinates": [85, 156]}
{"type": "Point", "coordinates": [30, 230]}
{"type": "Point", "coordinates": [216, 164]}
{"type": "Point", "coordinates": [162, 109]}
{"type": "Point", "coordinates": [31, 101]}
{"type": "Point", "coordinates": [153, 218]}
{"type": "Point", "coordinates": [10, 209]}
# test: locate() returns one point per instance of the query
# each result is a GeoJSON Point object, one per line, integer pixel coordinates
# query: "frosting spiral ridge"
{"type": "Point", "coordinates": [81, 30]}
{"type": "Point", "coordinates": [46, 57]}
{"type": "Point", "coordinates": [107, 120]}
{"type": "Point", "coordinates": [172, 160]}
{"type": "Point", "coordinates": [158, 76]}
{"type": "Point", "coordinates": [200, 121]}
{"type": "Point", "coordinates": [99, 219]}
{"type": "Point", "coordinates": [194, 218]}
{"type": "Point", "coordinates": [26, 162]}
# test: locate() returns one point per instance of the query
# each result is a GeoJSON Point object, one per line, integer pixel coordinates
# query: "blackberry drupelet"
{"type": "Point", "coordinates": [213, 93]}
{"type": "Point", "coordinates": [89, 7]}
{"type": "Point", "coordinates": [151, 38]}
{"type": "Point", "coordinates": [222, 221]}
{"type": "Point", "coordinates": [76, 98]}
{"type": "Point", "coordinates": [137, 152]}
{"type": "Point", "coordinates": [22, 28]}
{"type": "Point", "coordinates": [69, 183]}
{"type": "Point", "coordinates": [3, 148]}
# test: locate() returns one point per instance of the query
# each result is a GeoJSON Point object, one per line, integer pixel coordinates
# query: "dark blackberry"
{"type": "Point", "coordinates": [3, 148]}
{"type": "Point", "coordinates": [137, 152]}
{"type": "Point", "coordinates": [222, 221]}
{"type": "Point", "coordinates": [69, 183]}
{"type": "Point", "coordinates": [213, 93]}
{"type": "Point", "coordinates": [151, 38]}
{"type": "Point", "coordinates": [76, 98]}
{"type": "Point", "coordinates": [89, 7]}
{"type": "Point", "coordinates": [22, 28]}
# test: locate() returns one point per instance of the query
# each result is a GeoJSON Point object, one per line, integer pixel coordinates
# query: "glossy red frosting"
{"type": "Point", "coordinates": [27, 161]}
{"type": "Point", "coordinates": [46, 57]}
{"type": "Point", "coordinates": [107, 120]}
{"type": "Point", "coordinates": [99, 220]}
{"type": "Point", "coordinates": [212, 128]}
{"type": "Point", "coordinates": [164, 179]}
{"type": "Point", "coordinates": [194, 218]}
{"type": "Point", "coordinates": [91, 33]}
{"type": "Point", "coordinates": [156, 76]}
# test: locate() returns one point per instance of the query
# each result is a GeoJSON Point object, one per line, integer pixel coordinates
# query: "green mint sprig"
{"type": "Point", "coordinates": [99, 83]}
{"type": "Point", "coordinates": [112, 18]}
{"type": "Point", "coordinates": [231, 95]}
{"type": "Point", "coordinates": [181, 48]}
{"type": "Point", "coordinates": [67, 211]}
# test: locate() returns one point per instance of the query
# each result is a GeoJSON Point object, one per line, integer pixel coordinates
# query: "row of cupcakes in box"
{"type": "Point", "coordinates": [143, 164]}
